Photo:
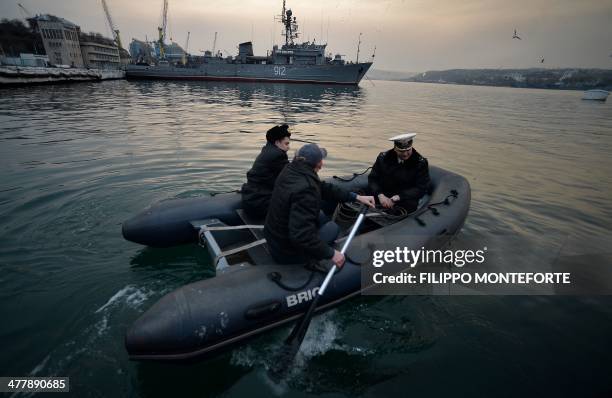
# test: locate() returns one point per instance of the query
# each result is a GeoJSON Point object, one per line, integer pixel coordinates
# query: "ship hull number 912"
{"type": "Point", "coordinates": [280, 71]}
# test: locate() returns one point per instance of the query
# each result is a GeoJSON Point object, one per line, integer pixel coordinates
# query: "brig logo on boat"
{"type": "Point", "coordinates": [306, 295]}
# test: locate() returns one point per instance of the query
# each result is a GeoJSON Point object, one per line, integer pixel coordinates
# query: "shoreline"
{"type": "Point", "coordinates": [25, 76]}
{"type": "Point", "coordinates": [607, 88]}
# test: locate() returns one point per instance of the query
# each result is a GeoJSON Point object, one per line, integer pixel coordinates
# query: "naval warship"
{"type": "Point", "coordinates": [293, 62]}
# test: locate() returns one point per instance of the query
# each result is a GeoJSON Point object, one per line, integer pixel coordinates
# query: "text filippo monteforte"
{"type": "Point", "coordinates": [458, 258]}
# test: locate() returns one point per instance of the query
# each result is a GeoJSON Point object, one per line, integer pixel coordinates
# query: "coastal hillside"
{"type": "Point", "coordinates": [572, 79]}
{"type": "Point", "coordinates": [379, 74]}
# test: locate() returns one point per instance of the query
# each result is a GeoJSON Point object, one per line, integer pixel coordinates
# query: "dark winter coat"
{"type": "Point", "coordinates": [291, 227]}
{"type": "Point", "coordinates": [257, 191]}
{"type": "Point", "coordinates": [410, 179]}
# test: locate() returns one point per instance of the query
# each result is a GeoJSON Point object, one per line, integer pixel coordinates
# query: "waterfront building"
{"type": "Point", "coordinates": [141, 51]}
{"type": "Point", "coordinates": [60, 39]}
{"type": "Point", "coordinates": [99, 52]}
{"type": "Point", "coordinates": [174, 52]}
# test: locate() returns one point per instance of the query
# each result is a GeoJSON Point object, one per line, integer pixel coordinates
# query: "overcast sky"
{"type": "Point", "coordinates": [409, 35]}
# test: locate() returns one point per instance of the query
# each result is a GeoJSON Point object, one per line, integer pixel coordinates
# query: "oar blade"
{"type": "Point", "coordinates": [292, 344]}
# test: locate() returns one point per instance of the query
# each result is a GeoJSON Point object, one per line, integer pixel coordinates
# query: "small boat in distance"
{"type": "Point", "coordinates": [596, 95]}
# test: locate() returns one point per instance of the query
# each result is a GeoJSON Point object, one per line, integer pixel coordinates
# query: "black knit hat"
{"type": "Point", "coordinates": [278, 133]}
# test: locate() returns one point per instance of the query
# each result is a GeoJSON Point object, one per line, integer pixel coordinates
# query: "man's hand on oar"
{"type": "Point", "coordinates": [294, 341]}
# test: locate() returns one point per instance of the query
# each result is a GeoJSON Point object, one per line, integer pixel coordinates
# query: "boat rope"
{"type": "Point", "coordinates": [346, 213]}
{"type": "Point", "coordinates": [355, 175]}
{"type": "Point", "coordinates": [314, 268]}
{"type": "Point", "coordinates": [446, 201]}
{"type": "Point", "coordinates": [276, 278]}
{"type": "Point", "coordinates": [219, 193]}
{"type": "Point", "coordinates": [431, 207]}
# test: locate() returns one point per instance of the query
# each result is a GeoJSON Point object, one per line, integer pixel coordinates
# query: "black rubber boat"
{"type": "Point", "coordinates": [255, 294]}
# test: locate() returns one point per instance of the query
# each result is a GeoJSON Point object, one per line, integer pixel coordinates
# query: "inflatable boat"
{"type": "Point", "coordinates": [250, 293]}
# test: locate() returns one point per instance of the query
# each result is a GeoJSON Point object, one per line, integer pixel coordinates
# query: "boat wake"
{"type": "Point", "coordinates": [65, 358]}
{"type": "Point", "coordinates": [130, 295]}
{"type": "Point", "coordinates": [321, 337]}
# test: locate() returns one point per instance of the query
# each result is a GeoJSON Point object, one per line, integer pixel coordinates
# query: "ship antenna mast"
{"type": "Point", "coordinates": [290, 23]}
{"type": "Point", "coordinates": [358, 45]}
{"type": "Point", "coordinates": [162, 29]}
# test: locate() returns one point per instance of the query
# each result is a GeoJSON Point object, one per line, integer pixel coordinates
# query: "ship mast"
{"type": "Point", "coordinates": [162, 30]}
{"type": "Point", "coordinates": [290, 23]}
{"type": "Point", "coordinates": [358, 46]}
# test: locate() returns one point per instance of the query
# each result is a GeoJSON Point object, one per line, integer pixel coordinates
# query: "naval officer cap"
{"type": "Point", "coordinates": [311, 154]}
{"type": "Point", "coordinates": [403, 142]}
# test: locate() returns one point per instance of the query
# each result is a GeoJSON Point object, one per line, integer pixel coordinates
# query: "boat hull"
{"type": "Point", "coordinates": [348, 74]}
{"type": "Point", "coordinates": [596, 95]}
{"type": "Point", "coordinates": [204, 318]}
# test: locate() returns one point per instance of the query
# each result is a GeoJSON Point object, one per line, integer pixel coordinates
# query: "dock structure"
{"type": "Point", "coordinates": [16, 75]}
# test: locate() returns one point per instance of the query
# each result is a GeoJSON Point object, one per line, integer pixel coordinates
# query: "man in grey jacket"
{"type": "Point", "coordinates": [292, 227]}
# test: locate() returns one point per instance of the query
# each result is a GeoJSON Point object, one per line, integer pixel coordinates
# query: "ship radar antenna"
{"type": "Point", "coordinates": [290, 23]}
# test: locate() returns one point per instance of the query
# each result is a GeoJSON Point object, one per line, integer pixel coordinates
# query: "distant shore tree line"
{"type": "Point", "coordinates": [565, 78]}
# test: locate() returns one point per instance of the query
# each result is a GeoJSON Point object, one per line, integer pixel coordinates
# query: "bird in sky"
{"type": "Point", "coordinates": [515, 36]}
{"type": "Point", "coordinates": [542, 61]}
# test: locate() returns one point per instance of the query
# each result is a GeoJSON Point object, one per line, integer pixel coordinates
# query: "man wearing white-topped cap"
{"type": "Point", "coordinates": [400, 176]}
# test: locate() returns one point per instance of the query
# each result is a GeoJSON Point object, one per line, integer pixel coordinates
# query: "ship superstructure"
{"type": "Point", "coordinates": [292, 62]}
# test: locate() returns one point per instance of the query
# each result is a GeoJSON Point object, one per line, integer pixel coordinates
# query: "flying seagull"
{"type": "Point", "coordinates": [515, 35]}
{"type": "Point", "coordinates": [542, 61]}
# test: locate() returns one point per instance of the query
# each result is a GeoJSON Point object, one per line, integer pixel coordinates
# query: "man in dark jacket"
{"type": "Point", "coordinates": [271, 160]}
{"type": "Point", "coordinates": [400, 176]}
{"type": "Point", "coordinates": [292, 229]}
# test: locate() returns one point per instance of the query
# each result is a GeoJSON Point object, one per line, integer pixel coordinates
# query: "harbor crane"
{"type": "Point", "coordinates": [162, 29]}
{"type": "Point", "coordinates": [28, 16]}
{"type": "Point", "coordinates": [25, 11]}
{"type": "Point", "coordinates": [112, 26]}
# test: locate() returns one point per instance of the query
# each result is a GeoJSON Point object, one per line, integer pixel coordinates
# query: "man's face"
{"type": "Point", "coordinates": [319, 166]}
{"type": "Point", "coordinates": [283, 144]}
{"type": "Point", "coordinates": [403, 154]}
